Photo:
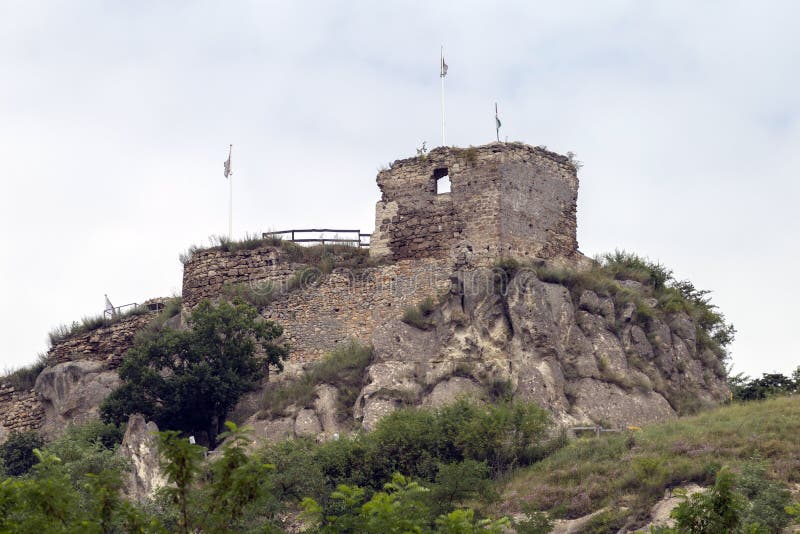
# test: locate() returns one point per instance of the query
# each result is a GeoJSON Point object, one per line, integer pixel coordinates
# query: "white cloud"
{"type": "Point", "coordinates": [116, 119]}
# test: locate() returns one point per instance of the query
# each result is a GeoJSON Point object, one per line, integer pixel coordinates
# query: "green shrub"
{"type": "Point", "coordinates": [420, 315]}
{"type": "Point", "coordinates": [605, 278]}
{"type": "Point", "coordinates": [260, 296]}
{"type": "Point", "coordinates": [457, 483]}
{"type": "Point", "coordinates": [304, 277]}
{"type": "Point", "coordinates": [536, 522]}
{"type": "Point", "coordinates": [505, 435]}
{"type": "Point", "coordinates": [609, 520]}
{"type": "Point", "coordinates": [190, 379]}
{"type": "Point", "coordinates": [343, 368]}
{"type": "Point", "coordinates": [24, 378]}
{"type": "Point", "coordinates": [402, 506]}
{"type": "Point", "coordinates": [89, 449]}
{"type": "Point", "coordinates": [16, 454]}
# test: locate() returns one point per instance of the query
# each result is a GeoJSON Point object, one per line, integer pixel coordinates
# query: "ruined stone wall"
{"type": "Point", "coordinates": [19, 411]}
{"type": "Point", "coordinates": [538, 207]}
{"type": "Point", "coordinates": [350, 304]}
{"type": "Point", "coordinates": [207, 271]}
{"type": "Point", "coordinates": [106, 344]}
{"type": "Point", "coordinates": [345, 304]}
{"type": "Point", "coordinates": [506, 198]}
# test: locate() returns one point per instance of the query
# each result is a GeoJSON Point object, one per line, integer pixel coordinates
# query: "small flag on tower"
{"type": "Point", "coordinates": [443, 66]}
{"type": "Point", "coordinates": [227, 164]}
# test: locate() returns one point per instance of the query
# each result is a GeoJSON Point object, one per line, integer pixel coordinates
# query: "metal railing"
{"type": "Point", "coordinates": [357, 238]}
{"type": "Point", "coordinates": [118, 311]}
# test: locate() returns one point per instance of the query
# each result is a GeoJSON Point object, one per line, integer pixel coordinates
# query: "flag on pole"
{"type": "Point", "coordinates": [109, 307]}
{"type": "Point", "coordinates": [443, 66]}
{"type": "Point", "coordinates": [227, 163]}
{"type": "Point", "coordinates": [497, 122]}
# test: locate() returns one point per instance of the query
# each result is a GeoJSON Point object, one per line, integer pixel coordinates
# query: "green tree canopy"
{"type": "Point", "coordinates": [189, 380]}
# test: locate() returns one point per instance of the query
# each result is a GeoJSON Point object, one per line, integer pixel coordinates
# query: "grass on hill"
{"type": "Point", "coordinates": [633, 470]}
{"type": "Point", "coordinates": [23, 378]}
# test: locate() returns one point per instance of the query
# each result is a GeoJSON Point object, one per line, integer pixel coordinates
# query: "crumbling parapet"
{"type": "Point", "coordinates": [505, 200]}
{"type": "Point", "coordinates": [208, 271]}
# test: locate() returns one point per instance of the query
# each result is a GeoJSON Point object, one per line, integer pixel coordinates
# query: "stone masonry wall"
{"type": "Point", "coordinates": [505, 199]}
{"type": "Point", "coordinates": [106, 344]}
{"type": "Point", "coordinates": [350, 304]}
{"type": "Point", "coordinates": [207, 271]}
{"type": "Point", "coordinates": [345, 304]}
{"type": "Point", "coordinates": [19, 411]}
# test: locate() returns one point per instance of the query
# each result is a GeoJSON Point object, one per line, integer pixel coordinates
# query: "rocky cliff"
{"type": "Point", "coordinates": [615, 355]}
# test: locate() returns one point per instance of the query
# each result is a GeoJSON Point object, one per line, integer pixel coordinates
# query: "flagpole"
{"type": "Point", "coordinates": [230, 196]}
{"type": "Point", "coordinates": [496, 122]}
{"type": "Point", "coordinates": [441, 75]}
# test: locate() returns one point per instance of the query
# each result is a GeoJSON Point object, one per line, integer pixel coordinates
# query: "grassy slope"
{"type": "Point", "coordinates": [633, 470]}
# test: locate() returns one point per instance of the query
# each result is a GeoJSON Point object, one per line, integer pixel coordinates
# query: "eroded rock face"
{"type": "Point", "coordinates": [71, 392]}
{"type": "Point", "coordinates": [139, 446]}
{"type": "Point", "coordinates": [584, 359]}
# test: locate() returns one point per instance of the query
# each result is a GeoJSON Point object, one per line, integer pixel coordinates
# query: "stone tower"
{"type": "Point", "coordinates": [504, 200]}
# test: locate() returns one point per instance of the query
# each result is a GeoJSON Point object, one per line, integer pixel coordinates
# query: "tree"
{"type": "Point", "coordinates": [16, 454]}
{"type": "Point", "coordinates": [190, 380]}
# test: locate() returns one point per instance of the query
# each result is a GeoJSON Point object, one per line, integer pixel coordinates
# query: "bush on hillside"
{"type": "Point", "coordinates": [16, 454]}
{"type": "Point", "coordinates": [343, 368]}
{"type": "Point", "coordinates": [24, 378]}
{"type": "Point", "coordinates": [189, 380]}
{"type": "Point", "coordinates": [607, 277]}
{"type": "Point", "coordinates": [769, 385]}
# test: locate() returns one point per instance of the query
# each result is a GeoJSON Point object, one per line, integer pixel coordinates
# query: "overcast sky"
{"type": "Point", "coordinates": [115, 118]}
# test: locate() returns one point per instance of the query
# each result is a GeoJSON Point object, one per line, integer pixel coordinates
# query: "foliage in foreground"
{"type": "Point", "coordinates": [634, 470]}
{"type": "Point", "coordinates": [749, 504]}
{"type": "Point", "coordinates": [189, 380]}
{"type": "Point", "coordinates": [403, 506]}
{"type": "Point", "coordinates": [16, 454]}
{"type": "Point", "coordinates": [455, 452]}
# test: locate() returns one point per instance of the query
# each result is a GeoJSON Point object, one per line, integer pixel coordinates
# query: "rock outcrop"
{"type": "Point", "coordinates": [587, 359]}
{"type": "Point", "coordinates": [71, 392]}
{"type": "Point", "coordinates": [140, 448]}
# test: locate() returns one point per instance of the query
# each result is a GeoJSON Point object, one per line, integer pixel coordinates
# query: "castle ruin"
{"type": "Point", "coordinates": [504, 200]}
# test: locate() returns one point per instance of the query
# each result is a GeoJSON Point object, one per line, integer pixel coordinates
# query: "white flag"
{"type": "Point", "coordinates": [228, 163]}
{"type": "Point", "coordinates": [109, 306]}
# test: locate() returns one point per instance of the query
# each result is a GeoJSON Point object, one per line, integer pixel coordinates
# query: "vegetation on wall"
{"type": "Point", "coordinates": [23, 378]}
{"type": "Point", "coordinates": [91, 323]}
{"type": "Point", "coordinates": [323, 257]}
{"type": "Point", "coordinates": [190, 379]}
{"type": "Point", "coordinates": [420, 315]}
